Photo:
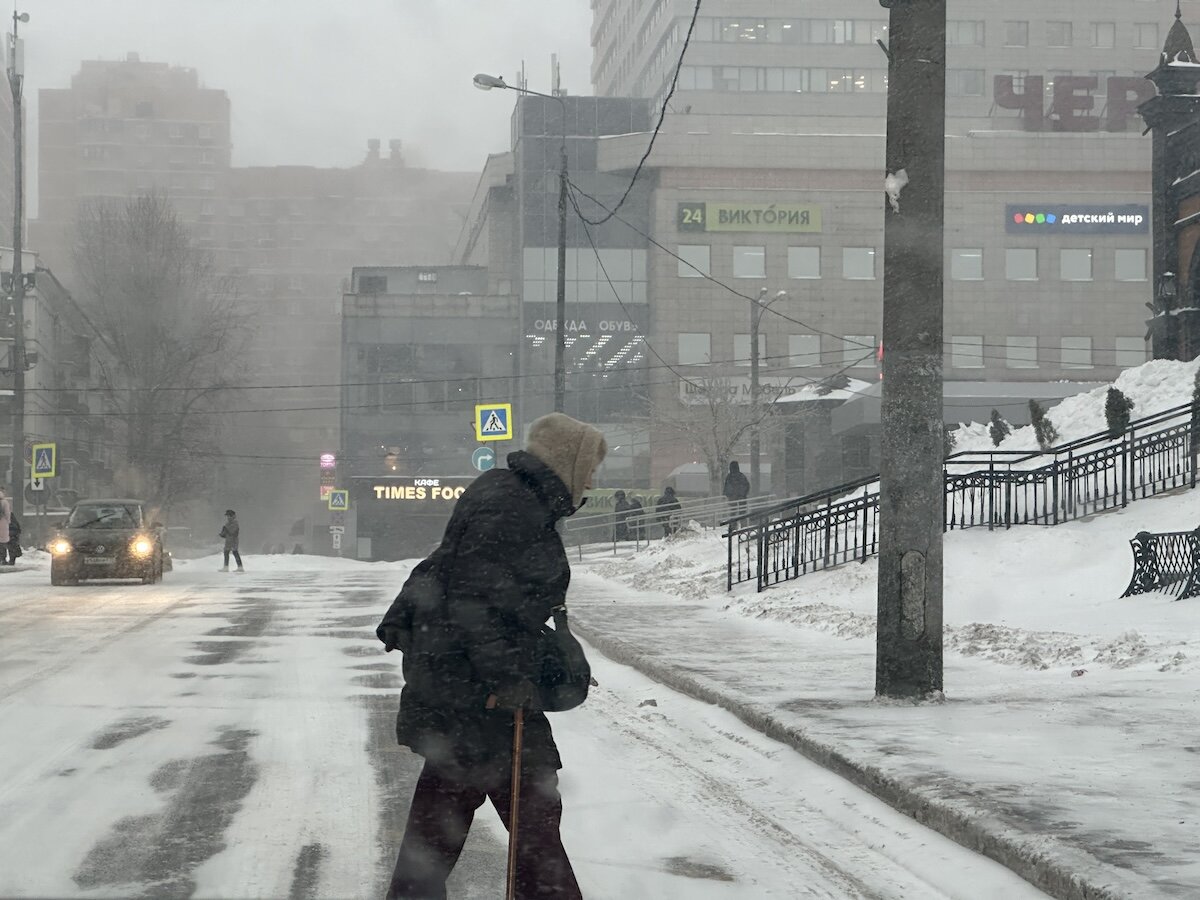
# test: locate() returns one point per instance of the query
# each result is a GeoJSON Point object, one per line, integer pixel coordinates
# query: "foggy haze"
{"type": "Point", "coordinates": [309, 83]}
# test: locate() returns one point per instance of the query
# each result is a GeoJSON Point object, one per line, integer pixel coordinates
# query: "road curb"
{"type": "Point", "coordinates": [1063, 871]}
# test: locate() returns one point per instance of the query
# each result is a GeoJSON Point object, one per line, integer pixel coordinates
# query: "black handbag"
{"type": "Point", "coordinates": [565, 674]}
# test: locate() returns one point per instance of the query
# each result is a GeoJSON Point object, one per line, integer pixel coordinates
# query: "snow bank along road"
{"type": "Point", "coordinates": [223, 736]}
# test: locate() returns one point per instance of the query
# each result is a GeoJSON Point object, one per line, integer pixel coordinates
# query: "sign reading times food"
{"type": "Point", "coordinates": [783, 217]}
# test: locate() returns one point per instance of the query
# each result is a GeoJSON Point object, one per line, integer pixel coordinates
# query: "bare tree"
{"type": "Point", "coordinates": [171, 339]}
{"type": "Point", "coordinates": [711, 421]}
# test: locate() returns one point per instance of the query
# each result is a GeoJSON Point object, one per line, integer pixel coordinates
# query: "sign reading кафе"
{"type": "Point", "coordinates": [1051, 218]}
{"type": "Point", "coordinates": [786, 217]}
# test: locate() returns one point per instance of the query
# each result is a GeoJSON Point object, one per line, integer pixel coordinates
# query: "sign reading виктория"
{"type": "Point", "coordinates": [789, 217]}
{"type": "Point", "coordinates": [1050, 218]}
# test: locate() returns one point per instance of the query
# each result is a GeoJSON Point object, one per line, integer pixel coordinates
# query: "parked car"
{"type": "Point", "coordinates": [107, 539]}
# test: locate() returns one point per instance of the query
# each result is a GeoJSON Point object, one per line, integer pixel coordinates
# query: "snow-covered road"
{"type": "Point", "coordinates": [226, 736]}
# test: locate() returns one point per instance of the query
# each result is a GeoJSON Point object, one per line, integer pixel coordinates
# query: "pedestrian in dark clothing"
{"type": "Point", "coordinates": [13, 548]}
{"type": "Point", "coordinates": [230, 531]}
{"type": "Point", "coordinates": [668, 505]}
{"type": "Point", "coordinates": [636, 519]}
{"type": "Point", "coordinates": [621, 508]}
{"type": "Point", "coordinates": [737, 488]}
{"type": "Point", "coordinates": [467, 621]}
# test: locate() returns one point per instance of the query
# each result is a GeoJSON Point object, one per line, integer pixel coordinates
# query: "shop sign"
{"type": "Point", "coordinates": [1051, 218]}
{"type": "Point", "coordinates": [1073, 106]}
{"type": "Point", "coordinates": [782, 217]}
{"type": "Point", "coordinates": [419, 490]}
{"type": "Point", "coordinates": [738, 388]}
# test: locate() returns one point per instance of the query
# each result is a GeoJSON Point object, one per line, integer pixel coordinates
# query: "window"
{"type": "Point", "coordinates": [1016, 34]}
{"type": "Point", "coordinates": [1058, 34]}
{"type": "Point", "coordinates": [1020, 264]}
{"type": "Point", "coordinates": [372, 284]}
{"type": "Point", "coordinates": [966, 265]}
{"type": "Point", "coordinates": [1131, 265]}
{"type": "Point", "coordinates": [1145, 36]}
{"type": "Point", "coordinates": [1021, 353]}
{"type": "Point", "coordinates": [749, 262]}
{"type": "Point", "coordinates": [858, 263]}
{"type": "Point", "coordinates": [1104, 35]}
{"type": "Point", "coordinates": [804, 262]}
{"type": "Point", "coordinates": [695, 349]}
{"type": "Point", "coordinates": [1130, 351]}
{"type": "Point", "coordinates": [964, 33]}
{"type": "Point", "coordinates": [804, 349]}
{"type": "Point", "coordinates": [693, 257]}
{"type": "Point", "coordinates": [741, 349]}
{"type": "Point", "coordinates": [1075, 264]}
{"type": "Point", "coordinates": [966, 351]}
{"type": "Point", "coordinates": [1077, 353]}
{"type": "Point", "coordinates": [964, 82]}
{"type": "Point", "coordinates": [858, 350]}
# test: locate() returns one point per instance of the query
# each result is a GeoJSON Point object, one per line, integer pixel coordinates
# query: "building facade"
{"type": "Point", "coordinates": [285, 235]}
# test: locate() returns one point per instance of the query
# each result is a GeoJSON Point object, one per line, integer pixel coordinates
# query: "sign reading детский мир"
{"type": "Point", "coordinates": [791, 217]}
{"type": "Point", "coordinates": [1049, 218]}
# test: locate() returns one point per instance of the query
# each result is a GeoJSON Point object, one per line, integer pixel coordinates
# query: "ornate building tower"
{"type": "Point", "coordinates": [1173, 116]}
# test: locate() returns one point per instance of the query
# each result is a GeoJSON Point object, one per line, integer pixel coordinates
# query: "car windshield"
{"type": "Point", "coordinates": [105, 516]}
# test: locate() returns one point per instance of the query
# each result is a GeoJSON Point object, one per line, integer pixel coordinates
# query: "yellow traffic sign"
{"type": "Point", "coordinates": [45, 460]}
{"type": "Point", "coordinates": [339, 500]}
{"type": "Point", "coordinates": [493, 422]}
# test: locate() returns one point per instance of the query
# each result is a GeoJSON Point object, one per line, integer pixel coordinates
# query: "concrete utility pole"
{"type": "Point", "coordinates": [16, 76]}
{"type": "Point", "coordinates": [758, 306]}
{"type": "Point", "coordinates": [912, 486]}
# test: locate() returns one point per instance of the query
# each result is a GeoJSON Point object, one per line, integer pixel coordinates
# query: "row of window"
{"type": "Point", "coordinates": [966, 263]}
{"type": "Point", "coordinates": [959, 32]}
{"type": "Point", "coordinates": [963, 351]}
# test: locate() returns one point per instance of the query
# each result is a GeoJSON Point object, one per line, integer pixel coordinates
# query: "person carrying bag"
{"type": "Point", "coordinates": [482, 667]}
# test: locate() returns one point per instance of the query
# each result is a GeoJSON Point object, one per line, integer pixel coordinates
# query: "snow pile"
{"type": "Point", "coordinates": [1153, 387]}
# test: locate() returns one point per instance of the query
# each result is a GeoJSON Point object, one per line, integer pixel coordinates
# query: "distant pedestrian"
{"type": "Point", "coordinates": [621, 508]}
{"type": "Point", "coordinates": [230, 531]}
{"type": "Point", "coordinates": [737, 488]}
{"type": "Point", "coordinates": [5, 518]}
{"type": "Point", "coordinates": [667, 507]}
{"type": "Point", "coordinates": [13, 547]}
{"type": "Point", "coordinates": [636, 519]}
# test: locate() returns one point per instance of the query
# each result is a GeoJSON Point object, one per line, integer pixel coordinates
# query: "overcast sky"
{"type": "Point", "coordinates": [309, 82]}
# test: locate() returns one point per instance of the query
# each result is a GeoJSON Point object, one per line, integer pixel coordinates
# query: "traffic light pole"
{"type": "Point", "coordinates": [912, 486]}
{"type": "Point", "coordinates": [17, 362]}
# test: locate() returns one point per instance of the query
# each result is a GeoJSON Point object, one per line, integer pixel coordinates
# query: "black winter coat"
{"type": "Point", "coordinates": [504, 569]}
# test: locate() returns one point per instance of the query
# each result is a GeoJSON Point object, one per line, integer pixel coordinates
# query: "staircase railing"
{"type": "Point", "coordinates": [998, 488]}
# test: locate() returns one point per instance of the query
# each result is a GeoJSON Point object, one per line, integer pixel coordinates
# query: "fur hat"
{"type": "Point", "coordinates": [572, 449]}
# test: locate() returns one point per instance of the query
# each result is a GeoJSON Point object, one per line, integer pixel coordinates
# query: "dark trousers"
{"type": "Point", "coordinates": [237, 556]}
{"type": "Point", "coordinates": [440, 817]}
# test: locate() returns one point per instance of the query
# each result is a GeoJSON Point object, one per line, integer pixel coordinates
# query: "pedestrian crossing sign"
{"type": "Point", "coordinates": [493, 422]}
{"type": "Point", "coordinates": [45, 460]}
{"type": "Point", "coordinates": [339, 500]}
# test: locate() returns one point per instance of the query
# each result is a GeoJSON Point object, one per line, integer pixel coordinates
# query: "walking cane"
{"type": "Point", "coordinates": [510, 891]}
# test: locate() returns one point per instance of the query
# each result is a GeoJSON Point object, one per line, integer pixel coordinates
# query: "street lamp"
{"type": "Point", "coordinates": [16, 76]}
{"type": "Point", "coordinates": [757, 307]}
{"type": "Point", "coordinates": [486, 83]}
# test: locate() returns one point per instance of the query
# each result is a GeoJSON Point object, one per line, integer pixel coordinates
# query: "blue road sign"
{"type": "Point", "coordinates": [483, 458]}
{"type": "Point", "coordinates": [493, 422]}
{"type": "Point", "coordinates": [339, 500]}
{"type": "Point", "coordinates": [45, 460]}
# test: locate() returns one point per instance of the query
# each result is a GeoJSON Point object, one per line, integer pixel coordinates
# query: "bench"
{"type": "Point", "coordinates": [1167, 562]}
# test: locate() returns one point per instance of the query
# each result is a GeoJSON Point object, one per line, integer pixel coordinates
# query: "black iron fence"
{"type": "Point", "coordinates": [1168, 562]}
{"type": "Point", "coordinates": [993, 489]}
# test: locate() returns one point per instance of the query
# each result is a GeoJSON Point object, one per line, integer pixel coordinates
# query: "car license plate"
{"type": "Point", "coordinates": [98, 560]}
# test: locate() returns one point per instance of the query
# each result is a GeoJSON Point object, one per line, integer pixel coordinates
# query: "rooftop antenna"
{"type": "Point", "coordinates": [555, 76]}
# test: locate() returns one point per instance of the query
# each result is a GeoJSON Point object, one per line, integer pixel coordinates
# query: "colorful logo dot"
{"type": "Point", "coordinates": [1051, 218]}
{"type": "Point", "coordinates": [1030, 218]}
{"type": "Point", "coordinates": [1019, 218]}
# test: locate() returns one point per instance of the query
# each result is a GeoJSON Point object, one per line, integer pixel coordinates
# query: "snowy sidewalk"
{"type": "Point", "coordinates": [1087, 786]}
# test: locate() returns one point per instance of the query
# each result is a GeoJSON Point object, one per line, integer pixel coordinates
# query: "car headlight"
{"type": "Point", "coordinates": [142, 546]}
{"type": "Point", "coordinates": [60, 547]}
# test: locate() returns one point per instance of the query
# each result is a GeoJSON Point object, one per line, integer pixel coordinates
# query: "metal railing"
{"type": "Point", "coordinates": [642, 528]}
{"type": "Point", "coordinates": [983, 488]}
{"type": "Point", "coordinates": [1168, 562]}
